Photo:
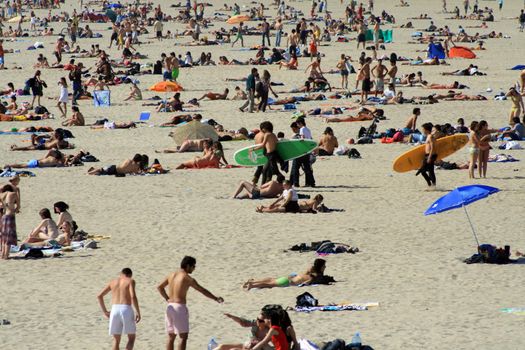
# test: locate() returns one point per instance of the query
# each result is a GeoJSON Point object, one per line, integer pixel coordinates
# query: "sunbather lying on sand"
{"type": "Point", "coordinates": [291, 280]}
{"type": "Point", "coordinates": [211, 158]}
{"type": "Point", "coordinates": [114, 125]}
{"type": "Point", "coordinates": [311, 205]}
{"type": "Point", "coordinates": [455, 85]}
{"type": "Point", "coordinates": [42, 143]}
{"type": "Point", "coordinates": [215, 95]}
{"type": "Point", "coordinates": [53, 158]}
{"type": "Point", "coordinates": [177, 119]}
{"type": "Point", "coordinates": [197, 145]}
{"type": "Point", "coordinates": [129, 166]}
{"type": "Point", "coordinates": [269, 189]}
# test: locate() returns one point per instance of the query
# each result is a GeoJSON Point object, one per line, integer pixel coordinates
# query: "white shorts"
{"type": "Point", "coordinates": [177, 319]}
{"type": "Point", "coordinates": [122, 320]}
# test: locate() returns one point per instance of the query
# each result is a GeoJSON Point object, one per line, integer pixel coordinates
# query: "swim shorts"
{"type": "Point", "coordinates": [166, 75]}
{"type": "Point", "coordinates": [282, 281]}
{"type": "Point", "coordinates": [256, 194]}
{"type": "Point", "coordinates": [366, 85]}
{"type": "Point", "coordinates": [109, 170]}
{"type": "Point", "coordinates": [177, 319]}
{"type": "Point", "coordinates": [380, 84]}
{"type": "Point", "coordinates": [122, 320]}
{"type": "Point", "coordinates": [344, 72]}
{"type": "Point", "coordinates": [361, 38]}
{"type": "Point", "coordinates": [175, 73]}
{"type": "Point", "coordinates": [1, 60]}
{"type": "Point", "coordinates": [33, 163]}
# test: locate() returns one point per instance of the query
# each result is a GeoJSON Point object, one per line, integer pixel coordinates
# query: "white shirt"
{"type": "Point", "coordinates": [305, 133]}
{"type": "Point", "coordinates": [295, 197]}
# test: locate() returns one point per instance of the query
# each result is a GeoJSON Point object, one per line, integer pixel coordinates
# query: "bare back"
{"type": "Point", "coordinates": [121, 291]}
{"type": "Point", "coordinates": [178, 284]}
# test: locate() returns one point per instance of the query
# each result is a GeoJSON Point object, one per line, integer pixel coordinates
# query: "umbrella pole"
{"type": "Point", "coordinates": [471, 226]}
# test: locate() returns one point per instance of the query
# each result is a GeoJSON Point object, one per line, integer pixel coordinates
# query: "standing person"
{"type": "Point", "coordinates": [258, 139]}
{"type": "Point", "coordinates": [266, 87]}
{"type": "Point", "coordinates": [239, 35]}
{"type": "Point", "coordinates": [392, 72]}
{"type": "Point", "coordinates": [157, 27]}
{"type": "Point", "coordinates": [75, 76]}
{"type": "Point", "coordinates": [427, 168]}
{"type": "Point", "coordinates": [342, 66]}
{"type": "Point", "coordinates": [265, 32]}
{"type": "Point", "coordinates": [175, 67]}
{"type": "Point", "coordinates": [364, 75]}
{"type": "Point", "coordinates": [177, 316]}
{"type": "Point", "coordinates": [269, 145]}
{"type": "Point", "coordinates": [379, 72]}
{"type": "Point", "coordinates": [63, 97]}
{"type": "Point", "coordinates": [445, 6]}
{"type": "Point", "coordinates": [59, 46]}
{"type": "Point", "coordinates": [484, 134]}
{"type": "Point", "coordinates": [466, 6]}
{"type": "Point", "coordinates": [122, 319]}
{"type": "Point", "coordinates": [250, 90]}
{"type": "Point", "coordinates": [2, 53]}
{"type": "Point", "coordinates": [37, 88]}
{"type": "Point", "coordinates": [8, 201]}
{"type": "Point", "coordinates": [521, 20]}
{"type": "Point", "coordinates": [473, 149]}
{"type": "Point", "coordinates": [377, 32]}
{"type": "Point", "coordinates": [292, 41]}
{"type": "Point", "coordinates": [304, 161]}
{"type": "Point", "coordinates": [500, 4]}
{"type": "Point", "coordinates": [279, 32]}
{"type": "Point", "coordinates": [517, 104]}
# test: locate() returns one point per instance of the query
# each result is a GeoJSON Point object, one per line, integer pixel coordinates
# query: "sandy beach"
{"type": "Point", "coordinates": [410, 263]}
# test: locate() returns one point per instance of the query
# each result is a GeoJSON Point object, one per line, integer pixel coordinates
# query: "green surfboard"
{"type": "Point", "coordinates": [287, 149]}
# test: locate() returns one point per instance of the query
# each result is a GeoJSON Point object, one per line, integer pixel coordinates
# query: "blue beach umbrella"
{"type": "Point", "coordinates": [460, 198]}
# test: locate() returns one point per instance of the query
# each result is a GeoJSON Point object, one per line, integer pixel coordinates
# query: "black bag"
{"type": "Point", "coordinates": [337, 344]}
{"type": "Point", "coordinates": [306, 299]}
{"type": "Point", "coordinates": [41, 110]}
{"type": "Point", "coordinates": [353, 153]}
{"type": "Point", "coordinates": [34, 254]}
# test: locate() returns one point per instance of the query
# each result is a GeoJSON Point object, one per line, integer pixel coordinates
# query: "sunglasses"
{"type": "Point", "coordinates": [260, 320]}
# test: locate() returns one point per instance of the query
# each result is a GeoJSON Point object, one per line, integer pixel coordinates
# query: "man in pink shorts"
{"type": "Point", "coordinates": [177, 316]}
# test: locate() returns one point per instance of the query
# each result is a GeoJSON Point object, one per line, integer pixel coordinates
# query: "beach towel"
{"type": "Point", "coordinates": [385, 35]}
{"type": "Point", "coordinates": [102, 98]}
{"type": "Point", "coordinates": [502, 158]}
{"type": "Point", "coordinates": [305, 344]}
{"type": "Point", "coordinates": [461, 52]}
{"type": "Point", "coordinates": [344, 307]}
{"type": "Point", "coordinates": [514, 310]}
{"type": "Point", "coordinates": [11, 173]}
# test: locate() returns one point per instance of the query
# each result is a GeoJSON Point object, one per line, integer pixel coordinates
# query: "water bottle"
{"type": "Point", "coordinates": [356, 342]}
{"type": "Point", "coordinates": [212, 344]}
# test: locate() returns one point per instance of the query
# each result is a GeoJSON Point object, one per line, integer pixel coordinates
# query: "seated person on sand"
{"type": "Point", "coordinates": [134, 93]}
{"type": "Point", "coordinates": [77, 119]}
{"type": "Point", "coordinates": [269, 189]}
{"type": "Point", "coordinates": [259, 329]}
{"type": "Point", "coordinates": [286, 203]}
{"type": "Point", "coordinates": [41, 62]}
{"type": "Point", "coordinates": [45, 231]}
{"type": "Point", "coordinates": [53, 158]}
{"type": "Point", "coordinates": [174, 104]}
{"type": "Point", "coordinates": [215, 95]}
{"type": "Point", "coordinates": [65, 223]}
{"type": "Point", "coordinates": [197, 145]}
{"type": "Point", "coordinates": [327, 143]}
{"type": "Point", "coordinates": [239, 94]}
{"type": "Point", "coordinates": [211, 158]}
{"type": "Point", "coordinates": [292, 64]}
{"type": "Point", "coordinates": [316, 270]}
{"type": "Point", "coordinates": [129, 166]}
{"type": "Point", "coordinates": [42, 143]}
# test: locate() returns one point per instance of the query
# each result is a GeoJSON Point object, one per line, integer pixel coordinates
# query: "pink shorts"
{"type": "Point", "coordinates": [177, 319]}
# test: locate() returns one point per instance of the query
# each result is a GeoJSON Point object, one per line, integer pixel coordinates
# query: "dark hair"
{"type": "Point", "coordinates": [188, 261]}
{"type": "Point", "coordinates": [516, 120]}
{"type": "Point", "coordinates": [144, 162]}
{"type": "Point", "coordinates": [268, 126]}
{"type": "Point", "coordinates": [481, 125]}
{"type": "Point", "coordinates": [328, 130]}
{"type": "Point", "coordinates": [474, 125]}
{"type": "Point", "coordinates": [45, 213]}
{"type": "Point", "coordinates": [294, 125]}
{"type": "Point", "coordinates": [461, 121]}
{"type": "Point", "coordinates": [61, 206]}
{"type": "Point", "coordinates": [280, 134]}
{"type": "Point", "coordinates": [7, 188]}
{"type": "Point", "coordinates": [127, 272]}
{"type": "Point", "coordinates": [301, 121]}
{"type": "Point", "coordinates": [275, 319]}
{"type": "Point", "coordinates": [427, 126]}
{"type": "Point", "coordinates": [416, 110]}
{"type": "Point", "coordinates": [318, 265]}
{"type": "Point", "coordinates": [137, 158]}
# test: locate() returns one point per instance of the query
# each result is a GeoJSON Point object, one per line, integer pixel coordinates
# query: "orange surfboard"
{"type": "Point", "coordinates": [445, 146]}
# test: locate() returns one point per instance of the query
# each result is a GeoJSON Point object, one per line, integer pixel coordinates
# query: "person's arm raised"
{"type": "Point", "coordinates": [204, 291]}
{"type": "Point", "coordinates": [241, 321]}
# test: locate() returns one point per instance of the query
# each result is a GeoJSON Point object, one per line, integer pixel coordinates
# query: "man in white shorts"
{"type": "Point", "coordinates": [177, 316]}
{"type": "Point", "coordinates": [122, 319]}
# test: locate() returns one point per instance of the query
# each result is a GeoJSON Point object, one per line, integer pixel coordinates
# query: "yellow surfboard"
{"type": "Point", "coordinates": [445, 146]}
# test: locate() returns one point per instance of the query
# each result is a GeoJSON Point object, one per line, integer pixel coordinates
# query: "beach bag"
{"type": "Point", "coordinates": [41, 110]}
{"type": "Point", "coordinates": [306, 300]}
{"type": "Point", "coordinates": [353, 153]}
{"type": "Point", "coordinates": [364, 140]}
{"type": "Point", "coordinates": [337, 344]}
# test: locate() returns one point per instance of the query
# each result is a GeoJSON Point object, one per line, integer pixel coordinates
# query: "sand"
{"type": "Point", "coordinates": [409, 263]}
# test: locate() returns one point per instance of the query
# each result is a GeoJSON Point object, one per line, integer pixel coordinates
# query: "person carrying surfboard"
{"type": "Point", "coordinates": [269, 144]}
{"type": "Point", "coordinates": [427, 168]}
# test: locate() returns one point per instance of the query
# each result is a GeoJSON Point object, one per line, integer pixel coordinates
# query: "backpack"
{"type": "Point", "coordinates": [305, 300]}
{"type": "Point", "coordinates": [337, 344]}
{"type": "Point", "coordinates": [353, 153]}
{"type": "Point", "coordinates": [41, 110]}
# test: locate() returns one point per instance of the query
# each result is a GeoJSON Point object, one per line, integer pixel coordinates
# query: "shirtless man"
{"type": "Point", "coordinates": [56, 141]}
{"type": "Point", "coordinates": [328, 143]}
{"type": "Point", "coordinates": [392, 72]}
{"type": "Point", "coordinates": [292, 41]}
{"type": "Point", "coordinates": [364, 73]}
{"type": "Point", "coordinates": [129, 166]}
{"type": "Point", "coordinates": [8, 202]}
{"type": "Point", "coordinates": [177, 316]}
{"type": "Point", "coordinates": [379, 72]}
{"type": "Point", "coordinates": [59, 45]}
{"type": "Point", "coordinates": [271, 189]}
{"type": "Point", "coordinates": [269, 144]}
{"type": "Point", "coordinates": [411, 123]}
{"type": "Point", "coordinates": [53, 158]}
{"type": "Point", "coordinates": [122, 319]}
{"type": "Point", "coordinates": [315, 69]}
{"type": "Point", "coordinates": [215, 96]}
{"type": "Point", "coordinates": [427, 168]}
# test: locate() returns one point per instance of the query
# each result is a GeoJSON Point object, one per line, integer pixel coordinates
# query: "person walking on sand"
{"type": "Point", "coordinates": [250, 90]}
{"type": "Point", "coordinates": [427, 168]}
{"type": "Point", "coordinates": [177, 316]}
{"type": "Point", "coordinates": [239, 35]}
{"type": "Point", "coordinates": [122, 319]}
{"type": "Point", "coordinates": [63, 98]}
